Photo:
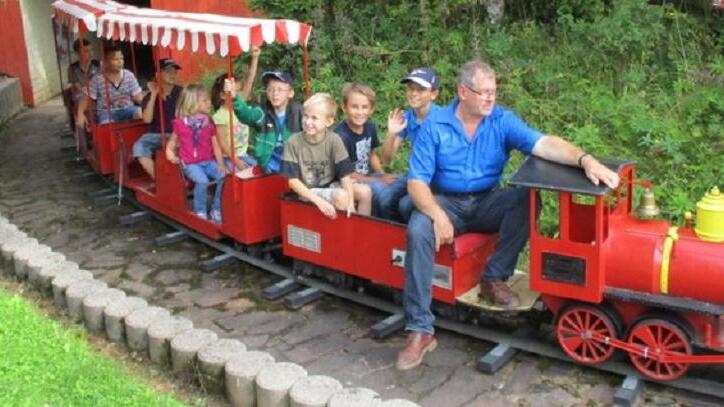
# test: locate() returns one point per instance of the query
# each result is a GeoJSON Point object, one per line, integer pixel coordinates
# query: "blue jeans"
{"type": "Point", "coordinates": [500, 210]}
{"type": "Point", "coordinates": [249, 160]}
{"type": "Point", "coordinates": [118, 115]}
{"type": "Point", "coordinates": [201, 174]}
{"type": "Point", "coordinates": [146, 145]}
{"type": "Point", "coordinates": [388, 199]}
{"type": "Point", "coordinates": [377, 187]}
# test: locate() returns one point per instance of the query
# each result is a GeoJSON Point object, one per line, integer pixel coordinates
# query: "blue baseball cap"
{"type": "Point", "coordinates": [280, 76]}
{"type": "Point", "coordinates": [424, 77]}
{"type": "Point", "coordinates": [168, 63]}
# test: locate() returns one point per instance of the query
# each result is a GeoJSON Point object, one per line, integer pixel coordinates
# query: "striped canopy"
{"type": "Point", "coordinates": [217, 34]}
{"type": "Point", "coordinates": [70, 12]}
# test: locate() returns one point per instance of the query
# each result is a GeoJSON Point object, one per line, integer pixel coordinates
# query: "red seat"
{"type": "Point", "coordinates": [468, 242]}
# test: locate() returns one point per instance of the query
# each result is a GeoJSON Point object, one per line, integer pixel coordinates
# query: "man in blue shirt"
{"type": "Point", "coordinates": [456, 163]}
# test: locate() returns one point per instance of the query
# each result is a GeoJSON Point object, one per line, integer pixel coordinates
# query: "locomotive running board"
{"type": "Point", "coordinates": [519, 283]}
{"type": "Point", "coordinates": [534, 344]}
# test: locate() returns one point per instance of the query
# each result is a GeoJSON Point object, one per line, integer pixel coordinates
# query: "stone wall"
{"type": "Point", "coordinates": [44, 77]}
{"type": "Point", "coordinates": [11, 100]}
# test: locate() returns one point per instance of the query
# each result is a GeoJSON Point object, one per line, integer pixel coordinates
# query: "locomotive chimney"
{"type": "Point", "coordinates": [648, 209]}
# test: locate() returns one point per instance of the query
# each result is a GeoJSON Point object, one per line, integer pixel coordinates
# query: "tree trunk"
{"type": "Point", "coordinates": [496, 11]}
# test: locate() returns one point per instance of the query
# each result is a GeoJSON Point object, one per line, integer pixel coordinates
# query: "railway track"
{"type": "Point", "coordinates": [709, 384]}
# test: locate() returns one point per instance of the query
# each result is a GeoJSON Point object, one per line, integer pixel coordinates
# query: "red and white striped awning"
{"type": "Point", "coordinates": [216, 34]}
{"type": "Point", "coordinates": [70, 12]}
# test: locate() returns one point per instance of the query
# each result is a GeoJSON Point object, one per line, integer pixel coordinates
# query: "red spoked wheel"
{"type": "Point", "coordinates": [575, 328]}
{"type": "Point", "coordinates": [659, 337]}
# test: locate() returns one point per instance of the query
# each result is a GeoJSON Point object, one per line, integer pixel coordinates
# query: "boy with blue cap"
{"type": "Point", "coordinates": [422, 89]}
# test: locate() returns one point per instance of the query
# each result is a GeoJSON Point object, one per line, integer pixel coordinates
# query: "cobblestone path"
{"type": "Point", "coordinates": [39, 194]}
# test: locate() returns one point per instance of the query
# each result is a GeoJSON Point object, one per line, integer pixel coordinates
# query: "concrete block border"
{"type": "Point", "coordinates": [225, 366]}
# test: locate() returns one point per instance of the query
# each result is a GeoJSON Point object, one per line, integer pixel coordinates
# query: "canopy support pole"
{"type": "Point", "coordinates": [305, 61]}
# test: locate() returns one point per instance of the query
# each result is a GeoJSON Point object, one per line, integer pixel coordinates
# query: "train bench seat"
{"type": "Point", "coordinates": [469, 242]}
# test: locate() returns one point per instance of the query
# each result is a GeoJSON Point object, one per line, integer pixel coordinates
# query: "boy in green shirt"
{"type": "Point", "coordinates": [275, 122]}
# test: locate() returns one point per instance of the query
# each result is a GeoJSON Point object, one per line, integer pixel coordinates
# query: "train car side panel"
{"type": "Point", "coordinates": [251, 207]}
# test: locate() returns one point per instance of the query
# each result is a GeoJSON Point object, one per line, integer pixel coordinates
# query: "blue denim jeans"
{"type": "Point", "coordinates": [248, 159]}
{"type": "Point", "coordinates": [118, 115]}
{"type": "Point", "coordinates": [500, 210]}
{"type": "Point", "coordinates": [388, 199]}
{"type": "Point", "coordinates": [146, 145]}
{"type": "Point", "coordinates": [201, 174]}
{"type": "Point", "coordinates": [377, 187]}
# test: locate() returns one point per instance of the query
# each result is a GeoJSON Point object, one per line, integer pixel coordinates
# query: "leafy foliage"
{"type": "Point", "coordinates": [618, 77]}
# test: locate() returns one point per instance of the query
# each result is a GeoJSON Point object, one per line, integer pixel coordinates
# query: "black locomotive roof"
{"type": "Point", "coordinates": [539, 173]}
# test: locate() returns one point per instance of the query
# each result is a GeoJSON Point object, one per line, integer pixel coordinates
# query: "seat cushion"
{"type": "Point", "coordinates": [469, 242]}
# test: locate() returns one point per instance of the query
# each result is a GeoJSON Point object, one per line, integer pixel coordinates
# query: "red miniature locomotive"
{"type": "Point", "coordinates": [614, 281]}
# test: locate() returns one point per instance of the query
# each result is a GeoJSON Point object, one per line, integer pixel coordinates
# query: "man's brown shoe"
{"type": "Point", "coordinates": [498, 293]}
{"type": "Point", "coordinates": [416, 346]}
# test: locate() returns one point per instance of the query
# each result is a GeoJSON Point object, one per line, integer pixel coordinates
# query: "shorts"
{"type": "Point", "coordinates": [123, 114]}
{"type": "Point", "coordinates": [327, 193]}
{"type": "Point", "coordinates": [146, 145]}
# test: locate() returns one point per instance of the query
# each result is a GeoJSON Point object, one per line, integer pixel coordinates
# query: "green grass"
{"type": "Point", "coordinates": [44, 364]}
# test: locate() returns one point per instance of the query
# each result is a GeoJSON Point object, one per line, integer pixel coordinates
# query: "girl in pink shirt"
{"type": "Point", "coordinates": [199, 154]}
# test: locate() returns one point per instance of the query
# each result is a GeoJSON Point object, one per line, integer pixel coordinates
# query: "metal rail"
{"type": "Point", "coordinates": [532, 344]}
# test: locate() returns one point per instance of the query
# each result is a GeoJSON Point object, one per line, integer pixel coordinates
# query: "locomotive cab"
{"type": "Point", "coordinates": [566, 258]}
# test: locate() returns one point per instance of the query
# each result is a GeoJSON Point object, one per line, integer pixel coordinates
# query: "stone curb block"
{"type": "Point", "coordinates": [212, 359]}
{"type": "Point", "coordinates": [22, 256]}
{"type": "Point", "coordinates": [62, 281]}
{"type": "Point", "coordinates": [114, 316]}
{"type": "Point", "coordinates": [137, 324]}
{"type": "Point", "coordinates": [240, 376]}
{"type": "Point", "coordinates": [221, 365]}
{"type": "Point", "coordinates": [75, 294]}
{"type": "Point", "coordinates": [160, 334]}
{"type": "Point", "coordinates": [10, 248]}
{"type": "Point", "coordinates": [44, 279]}
{"type": "Point", "coordinates": [186, 345]}
{"type": "Point", "coordinates": [274, 382]}
{"type": "Point", "coordinates": [313, 391]}
{"type": "Point", "coordinates": [36, 264]}
{"type": "Point", "coordinates": [94, 305]}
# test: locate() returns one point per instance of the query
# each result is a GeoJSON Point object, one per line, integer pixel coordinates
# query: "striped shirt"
{"type": "Point", "coordinates": [120, 95]}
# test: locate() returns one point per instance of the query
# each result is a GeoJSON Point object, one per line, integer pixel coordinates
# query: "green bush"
{"type": "Point", "coordinates": [620, 78]}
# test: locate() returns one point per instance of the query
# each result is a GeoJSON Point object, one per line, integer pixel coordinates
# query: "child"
{"type": "Point", "coordinates": [275, 123]}
{"type": "Point", "coordinates": [222, 115]}
{"type": "Point", "coordinates": [81, 71]}
{"type": "Point", "coordinates": [145, 147]}
{"type": "Point", "coordinates": [359, 135]}
{"type": "Point", "coordinates": [422, 89]}
{"type": "Point", "coordinates": [195, 135]}
{"type": "Point", "coordinates": [115, 91]}
{"type": "Point", "coordinates": [314, 159]}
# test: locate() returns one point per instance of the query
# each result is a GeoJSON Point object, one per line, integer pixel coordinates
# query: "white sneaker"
{"type": "Point", "coordinates": [215, 216]}
{"type": "Point", "coordinates": [201, 215]}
